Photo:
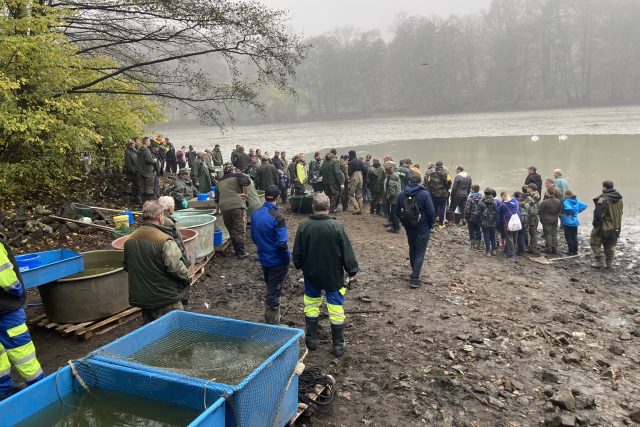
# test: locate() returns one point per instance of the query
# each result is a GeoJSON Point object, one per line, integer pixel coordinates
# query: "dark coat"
{"type": "Point", "coordinates": [487, 212]}
{"type": "Point", "coordinates": [550, 210]}
{"type": "Point", "coordinates": [536, 179]}
{"type": "Point", "coordinates": [424, 202]}
{"type": "Point", "coordinates": [131, 161]}
{"type": "Point", "coordinates": [322, 250]}
{"type": "Point", "coordinates": [266, 175]}
{"type": "Point", "coordinates": [331, 172]}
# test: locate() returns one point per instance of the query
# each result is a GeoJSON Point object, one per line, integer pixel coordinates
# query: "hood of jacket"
{"type": "Point", "coordinates": [376, 165]}
{"type": "Point", "coordinates": [612, 195]}
{"type": "Point", "coordinates": [413, 188]}
{"type": "Point", "coordinates": [488, 199]}
{"type": "Point", "coordinates": [463, 174]}
{"type": "Point", "coordinates": [329, 156]}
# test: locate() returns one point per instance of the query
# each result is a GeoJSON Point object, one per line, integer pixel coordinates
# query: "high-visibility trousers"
{"type": "Point", "coordinates": [17, 349]}
{"type": "Point", "coordinates": [335, 303]}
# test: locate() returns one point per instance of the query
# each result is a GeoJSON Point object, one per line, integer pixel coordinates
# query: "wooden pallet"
{"type": "Point", "coordinates": [87, 330]}
{"type": "Point", "coordinates": [304, 407]}
{"type": "Point", "coordinates": [225, 245]}
{"type": "Point", "coordinates": [198, 270]}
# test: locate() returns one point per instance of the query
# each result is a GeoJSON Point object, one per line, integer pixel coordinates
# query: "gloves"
{"type": "Point", "coordinates": [184, 204]}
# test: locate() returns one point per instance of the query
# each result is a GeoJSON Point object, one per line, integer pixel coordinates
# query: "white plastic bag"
{"type": "Point", "coordinates": [514, 223]}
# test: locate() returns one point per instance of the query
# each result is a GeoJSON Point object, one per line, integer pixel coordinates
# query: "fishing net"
{"type": "Point", "coordinates": [253, 363]}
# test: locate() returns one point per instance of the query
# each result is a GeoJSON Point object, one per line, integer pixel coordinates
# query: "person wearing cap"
{"type": "Point", "coordinates": [216, 156]}
{"type": "Point", "coordinates": [201, 173]}
{"type": "Point", "coordinates": [182, 189]}
{"type": "Point", "coordinates": [131, 171]}
{"type": "Point", "coordinates": [16, 347]}
{"type": "Point", "coordinates": [231, 199]}
{"type": "Point", "coordinates": [147, 165]}
{"type": "Point", "coordinates": [415, 209]}
{"type": "Point", "coordinates": [269, 233]}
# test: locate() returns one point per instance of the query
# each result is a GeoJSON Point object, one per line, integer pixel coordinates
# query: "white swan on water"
{"type": "Point", "coordinates": [535, 138]}
{"type": "Point", "coordinates": [563, 137]}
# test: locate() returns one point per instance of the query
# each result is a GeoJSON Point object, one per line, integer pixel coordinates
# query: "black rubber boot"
{"type": "Point", "coordinates": [311, 336]}
{"type": "Point", "coordinates": [337, 336]}
{"type": "Point", "coordinates": [272, 315]}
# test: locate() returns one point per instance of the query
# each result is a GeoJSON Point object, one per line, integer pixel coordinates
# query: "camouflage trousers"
{"type": "Point", "coordinates": [602, 247]}
{"type": "Point", "coordinates": [236, 222]}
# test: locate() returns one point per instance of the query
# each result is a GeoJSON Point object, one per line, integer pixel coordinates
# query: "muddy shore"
{"type": "Point", "coordinates": [484, 343]}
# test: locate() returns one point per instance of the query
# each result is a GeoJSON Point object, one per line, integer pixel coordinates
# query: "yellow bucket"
{"type": "Point", "coordinates": [121, 221]}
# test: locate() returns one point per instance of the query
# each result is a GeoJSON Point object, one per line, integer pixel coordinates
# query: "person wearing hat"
{"type": "Point", "coordinates": [147, 165]}
{"type": "Point", "coordinates": [182, 189]}
{"type": "Point", "coordinates": [438, 185]}
{"type": "Point", "coordinates": [231, 199]}
{"type": "Point", "coordinates": [269, 233]}
{"type": "Point", "coordinates": [201, 173]}
{"type": "Point", "coordinates": [131, 171]}
{"type": "Point", "coordinates": [415, 209]}
{"type": "Point", "coordinates": [216, 156]}
{"type": "Point", "coordinates": [16, 347]}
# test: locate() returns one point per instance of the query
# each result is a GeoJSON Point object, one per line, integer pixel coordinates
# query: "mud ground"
{"type": "Point", "coordinates": [484, 343]}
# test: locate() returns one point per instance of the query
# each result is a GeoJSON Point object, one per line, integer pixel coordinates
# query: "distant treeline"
{"type": "Point", "coordinates": [517, 54]}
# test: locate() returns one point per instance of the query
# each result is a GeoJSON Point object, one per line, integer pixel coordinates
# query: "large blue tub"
{"type": "Point", "coordinates": [98, 376]}
{"type": "Point", "coordinates": [49, 266]}
{"type": "Point", "coordinates": [268, 396]}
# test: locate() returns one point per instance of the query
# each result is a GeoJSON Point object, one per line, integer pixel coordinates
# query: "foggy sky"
{"type": "Point", "coordinates": [313, 17]}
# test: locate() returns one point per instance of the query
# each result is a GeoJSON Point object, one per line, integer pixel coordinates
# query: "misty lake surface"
{"type": "Point", "coordinates": [495, 148]}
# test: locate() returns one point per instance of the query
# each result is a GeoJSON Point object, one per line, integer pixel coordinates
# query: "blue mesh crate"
{"type": "Point", "coordinates": [49, 266]}
{"type": "Point", "coordinates": [208, 403]}
{"type": "Point", "coordinates": [267, 396]}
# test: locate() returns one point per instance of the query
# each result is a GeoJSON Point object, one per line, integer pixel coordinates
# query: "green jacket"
{"type": "Point", "coordinates": [331, 172]}
{"type": "Point", "coordinates": [376, 180]}
{"type": "Point", "coordinates": [181, 190]}
{"type": "Point", "coordinates": [216, 157]}
{"type": "Point", "coordinates": [146, 161]}
{"type": "Point", "coordinates": [391, 185]}
{"type": "Point", "coordinates": [131, 161]}
{"type": "Point", "coordinates": [267, 175]}
{"type": "Point", "coordinates": [323, 252]}
{"type": "Point", "coordinates": [157, 274]}
{"type": "Point", "coordinates": [202, 174]}
{"type": "Point", "coordinates": [607, 216]}
{"type": "Point", "coordinates": [229, 190]}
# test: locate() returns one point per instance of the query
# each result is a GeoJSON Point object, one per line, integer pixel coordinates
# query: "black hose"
{"type": "Point", "coordinates": [310, 378]}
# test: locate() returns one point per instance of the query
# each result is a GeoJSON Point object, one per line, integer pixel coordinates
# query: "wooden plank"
{"type": "Point", "coordinates": [61, 328]}
{"type": "Point", "coordinates": [108, 320]}
{"type": "Point", "coordinates": [74, 328]}
{"type": "Point", "coordinates": [35, 320]}
{"type": "Point", "coordinates": [225, 245]}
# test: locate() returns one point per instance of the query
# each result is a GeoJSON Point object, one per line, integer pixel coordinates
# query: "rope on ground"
{"type": "Point", "coordinates": [310, 378]}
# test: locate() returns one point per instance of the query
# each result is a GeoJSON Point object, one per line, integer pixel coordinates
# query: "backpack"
{"type": "Point", "coordinates": [514, 222]}
{"type": "Point", "coordinates": [410, 211]}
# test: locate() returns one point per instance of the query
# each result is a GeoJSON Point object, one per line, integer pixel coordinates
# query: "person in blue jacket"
{"type": "Point", "coordinates": [571, 208]}
{"type": "Point", "coordinates": [269, 233]}
{"type": "Point", "coordinates": [418, 224]}
{"type": "Point", "coordinates": [506, 210]}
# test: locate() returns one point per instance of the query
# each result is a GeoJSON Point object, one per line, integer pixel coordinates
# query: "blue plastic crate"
{"type": "Point", "coordinates": [268, 396]}
{"type": "Point", "coordinates": [53, 265]}
{"type": "Point", "coordinates": [120, 379]}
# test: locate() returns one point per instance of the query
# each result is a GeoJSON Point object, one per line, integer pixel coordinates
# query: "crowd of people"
{"type": "Point", "coordinates": [421, 202]}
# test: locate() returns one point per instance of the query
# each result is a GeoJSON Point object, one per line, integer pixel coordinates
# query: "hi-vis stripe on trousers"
{"type": "Point", "coordinates": [17, 349]}
{"type": "Point", "coordinates": [335, 303]}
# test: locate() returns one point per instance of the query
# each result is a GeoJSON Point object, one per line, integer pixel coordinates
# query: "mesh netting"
{"type": "Point", "coordinates": [255, 362]}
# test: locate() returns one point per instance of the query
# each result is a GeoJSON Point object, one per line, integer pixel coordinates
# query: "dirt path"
{"type": "Point", "coordinates": [485, 342]}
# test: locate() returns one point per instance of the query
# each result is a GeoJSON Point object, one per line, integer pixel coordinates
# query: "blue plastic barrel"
{"type": "Point", "coordinates": [28, 261]}
{"type": "Point", "coordinates": [203, 197]}
{"type": "Point", "coordinates": [217, 238]}
{"type": "Point", "coordinates": [130, 215]}
{"type": "Point", "coordinates": [213, 191]}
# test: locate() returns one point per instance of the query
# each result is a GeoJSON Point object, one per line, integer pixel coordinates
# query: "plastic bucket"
{"type": "Point", "coordinates": [130, 215]}
{"type": "Point", "coordinates": [202, 197]}
{"type": "Point", "coordinates": [28, 261]}
{"type": "Point", "coordinates": [217, 238]}
{"type": "Point", "coordinates": [121, 221]}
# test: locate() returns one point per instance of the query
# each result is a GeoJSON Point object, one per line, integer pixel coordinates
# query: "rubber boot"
{"type": "Point", "coordinates": [609, 263]}
{"type": "Point", "coordinates": [599, 263]}
{"type": "Point", "coordinates": [473, 245]}
{"type": "Point", "coordinates": [494, 253]}
{"type": "Point", "coordinates": [272, 315]}
{"type": "Point", "coordinates": [311, 336]}
{"type": "Point", "coordinates": [337, 336]}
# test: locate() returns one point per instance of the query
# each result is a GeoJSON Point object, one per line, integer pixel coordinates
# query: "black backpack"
{"type": "Point", "coordinates": [410, 211]}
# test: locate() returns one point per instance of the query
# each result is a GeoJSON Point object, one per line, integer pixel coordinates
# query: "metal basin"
{"type": "Point", "coordinates": [193, 211]}
{"type": "Point", "coordinates": [100, 291]}
{"type": "Point", "coordinates": [205, 226]}
{"type": "Point", "coordinates": [188, 238]}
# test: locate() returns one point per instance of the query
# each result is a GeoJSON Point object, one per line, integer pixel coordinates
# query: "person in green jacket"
{"type": "Point", "coordinates": [158, 275]}
{"type": "Point", "coordinates": [201, 173]}
{"type": "Point", "coordinates": [375, 184]}
{"type": "Point", "coordinates": [391, 188]}
{"type": "Point", "coordinates": [147, 164]}
{"type": "Point", "coordinates": [216, 156]}
{"type": "Point", "coordinates": [607, 225]}
{"type": "Point", "coordinates": [231, 199]}
{"type": "Point", "coordinates": [332, 178]}
{"type": "Point", "coordinates": [322, 250]}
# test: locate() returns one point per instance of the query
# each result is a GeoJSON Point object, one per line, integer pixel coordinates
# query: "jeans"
{"type": "Point", "coordinates": [489, 239]}
{"type": "Point", "coordinates": [522, 240]}
{"type": "Point", "coordinates": [274, 277]}
{"type": "Point", "coordinates": [475, 232]}
{"type": "Point", "coordinates": [418, 238]}
{"type": "Point", "coordinates": [509, 244]}
{"type": "Point", "coordinates": [440, 205]}
{"type": "Point", "coordinates": [571, 235]}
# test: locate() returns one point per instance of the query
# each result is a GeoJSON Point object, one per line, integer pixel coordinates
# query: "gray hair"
{"type": "Point", "coordinates": [321, 202]}
{"type": "Point", "coordinates": [558, 171]}
{"type": "Point", "coordinates": [167, 203]}
{"type": "Point", "coordinates": [152, 209]}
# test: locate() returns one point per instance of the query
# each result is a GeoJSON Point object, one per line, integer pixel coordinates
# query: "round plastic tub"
{"type": "Point", "coordinates": [100, 291]}
{"type": "Point", "coordinates": [28, 261]}
{"type": "Point", "coordinates": [193, 211]}
{"type": "Point", "coordinates": [205, 226]}
{"type": "Point", "coordinates": [188, 238]}
{"type": "Point", "coordinates": [202, 197]}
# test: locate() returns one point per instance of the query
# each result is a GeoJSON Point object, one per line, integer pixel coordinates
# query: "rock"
{"type": "Point", "coordinates": [564, 398]}
{"type": "Point", "coordinates": [574, 280]}
{"type": "Point", "coordinates": [73, 226]}
{"type": "Point", "coordinates": [497, 403]}
{"type": "Point", "coordinates": [585, 402]}
{"type": "Point", "coordinates": [523, 401]}
{"type": "Point", "coordinates": [635, 415]}
{"type": "Point", "coordinates": [63, 229]}
{"type": "Point", "coordinates": [47, 229]}
{"type": "Point", "coordinates": [477, 339]}
{"type": "Point", "coordinates": [625, 336]}
{"type": "Point", "coordinates": [567, 420]}
{"type": "Point", "coordinates": [616, 349]}
{"type": "Point", "coordinates": [561, 317]}
{"type": "Point", "coordinates": [636, 332]}
{"type": "Point", "coordinates": [583, 420]}
{"type": "Point", "coordinates": [553, 420]}
{"type": "Point", "coordinates": [603, 363]}
{"type": "Point", "coordinates": [549, 377]}
{"type": "Point", "coordinates": [548, 391]}
{"type": "Point", "coordinates": [573, 357]}
{"type": "Point", "coordinates": [590, 291]}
